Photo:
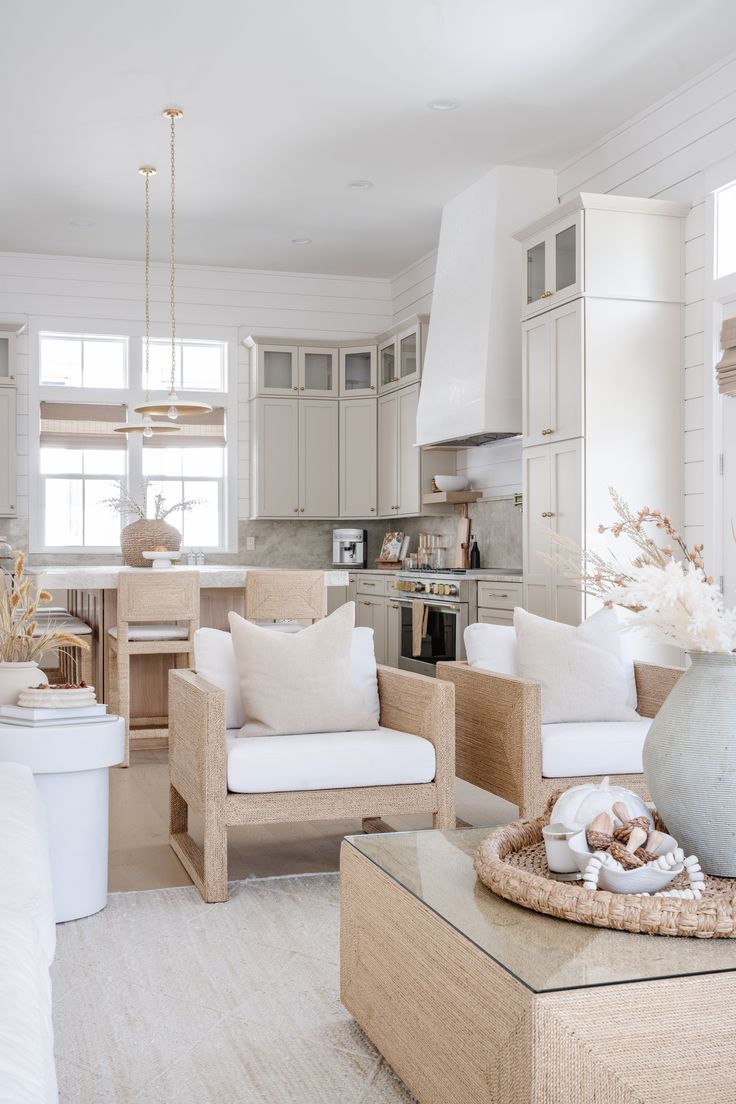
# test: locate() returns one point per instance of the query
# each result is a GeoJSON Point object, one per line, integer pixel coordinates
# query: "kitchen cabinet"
{"type": "Point", "coordinates": [553, 503]}
{"type": "Point", "coordinates": [552, 375]}
{"type": "Point", "coordinates": [318, 374]}
{"type": "Point", "coordinates": [371, 613]}
{"type": "Point", "coordinates": [274, 370]}
{"type": "Point", "coordinates": [399, 492]}
{"type": "Point", "coordinates": [7, 451]}
{"type": "Point", "coordinates": [358, 371]}
{"type": "Point", "coordinates": [400, 355]}
{"type": "Point", "coordinates": [553, 264]}
{"type": "Point", "coordinates": [9, 333]}
{"type": "Point", "coordinates": [293, 453]}
{"type": "Point", "coordinates": [358, 458]}
{"type": "Point", "coordinates": [496, 602]}
{"type": "Point", "coordinates": [318, 448]}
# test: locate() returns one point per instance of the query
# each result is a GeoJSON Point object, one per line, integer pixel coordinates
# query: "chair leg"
{"type": "Point", "coordinates": [121, 667]}
{"type": "Point", "coordinates": [178, 812]}
{"type": "Point", "coordinates": [207, 866]}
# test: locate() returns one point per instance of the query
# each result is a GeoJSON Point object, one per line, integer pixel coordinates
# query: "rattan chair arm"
{"type": "Point", "coordinates": [498, 731]}
{"type": "Point", "coordinates": [197, 738]}
{"type": "Point", "coordinates": [653, 684]}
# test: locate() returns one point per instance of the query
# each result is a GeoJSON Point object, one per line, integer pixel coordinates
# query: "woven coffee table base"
{"type": "Point", "coordinates": [513, 864]}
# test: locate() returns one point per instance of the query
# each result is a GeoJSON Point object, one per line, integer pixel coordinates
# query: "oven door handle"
{"type": "Point", "coordinates": [442, 608]}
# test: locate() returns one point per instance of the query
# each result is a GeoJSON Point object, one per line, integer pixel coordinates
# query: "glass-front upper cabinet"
{"type": "Point", "coordinates": [318, 372]}
{"type": "Point", "coordinates": [9, 332]}
{"type": "Point", "coordinates": [358, 371]}
{"type": "Point", "coordinates": [387, 364]}
{"type": "Point", "coordinates": [400, 357]}
{"type": "Point", "coordinates": [274, 369]}
{"type": "Point", "coordinates": [553, 265]}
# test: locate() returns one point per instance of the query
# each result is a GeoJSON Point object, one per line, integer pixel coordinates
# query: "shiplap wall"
{"type": "Point", "coordinates": [71, 293]}
{"type": "Point", "coordinates": [664, 153]}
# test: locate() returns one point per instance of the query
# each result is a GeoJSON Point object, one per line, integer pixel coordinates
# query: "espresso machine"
{"type": "Point", "coordinates": [350, 547]}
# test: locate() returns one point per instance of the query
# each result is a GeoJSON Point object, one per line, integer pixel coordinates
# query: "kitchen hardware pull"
{"type": "Point", "coordinates": [373, 509]}
{"type": "Point", "coordinates": [548, 513]}
{"type": "Point", "coordinates": [546, 432]}
{"type": "Point", "coordinates": [394, 605]}
{"type": "Point", "coordinates": [295, 389]}
{"type": "Point", "coordinates": [441, 608]}
{"type": "Point", "coordinates": [492, 595]}
{"type": "Point", "coordinates": [301, 509]}
{"type": "Point", "coordinates": [296, 509]}
{"type": "Point", "coordinates": [366, 603]}
{"type": "Point", "coordinates": [546, 294]}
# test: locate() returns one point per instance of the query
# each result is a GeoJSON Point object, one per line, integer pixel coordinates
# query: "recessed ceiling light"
{"type": "Point", "coordinates": [81, 224]}
{"type": "Point", "coordinates": [301, 241]}
{"type": "Point", "coordinates": [443, 105]}
{"type": "Point", "coordinates": [360, 185]}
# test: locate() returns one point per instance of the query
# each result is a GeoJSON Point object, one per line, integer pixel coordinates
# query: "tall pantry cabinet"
{"type": "Point", "coordinates": [602, 366]}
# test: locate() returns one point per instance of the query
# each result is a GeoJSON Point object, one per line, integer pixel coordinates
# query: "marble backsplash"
{"type": "Point", "coordinates": [308, 544]}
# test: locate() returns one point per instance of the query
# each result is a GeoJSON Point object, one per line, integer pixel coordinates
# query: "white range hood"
{"type": "Point", "coordinates": [471, 380]}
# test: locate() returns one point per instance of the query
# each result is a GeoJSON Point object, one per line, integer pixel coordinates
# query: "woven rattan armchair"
{"type": "Point", "coordinates": [198, 772]}
{"type": "Point", "coordinates": [498, 737]}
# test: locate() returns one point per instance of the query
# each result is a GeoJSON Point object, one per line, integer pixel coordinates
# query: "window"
{"type": "Point", "coordinates": [200, 365]}
{"type": "Point", "coordinates": [82, 360]}
{"type": "Point", "coordinates": [725, 231]}
{"type": "Point", "coordinates": [88, 383]}
{"type": "Point", "coordinates": [192, 469]}
{"type": "Point", "coordinates": [80, 458]}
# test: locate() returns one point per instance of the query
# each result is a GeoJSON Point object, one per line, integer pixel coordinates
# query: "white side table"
{"type": "Point", "coordinates": [70, 767]}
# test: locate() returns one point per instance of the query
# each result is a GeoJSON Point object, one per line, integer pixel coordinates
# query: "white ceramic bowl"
{"type": "Point", "coordinates": [451, 482]}
{"type": "Point", "coordinates": [644, 879]}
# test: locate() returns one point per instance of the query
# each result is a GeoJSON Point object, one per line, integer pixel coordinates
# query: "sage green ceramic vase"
{"type": "Point", "coordinates": [690, 762]}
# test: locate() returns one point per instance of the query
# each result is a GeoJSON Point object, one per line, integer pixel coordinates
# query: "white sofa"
{"type": "Point", "coordinates": [27, 943]}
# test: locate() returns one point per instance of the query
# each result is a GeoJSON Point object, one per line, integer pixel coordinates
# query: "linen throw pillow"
{"type": "Point", "coordinates": [292, 683]}
{"type": "Point", "coordinates": [584, 670]}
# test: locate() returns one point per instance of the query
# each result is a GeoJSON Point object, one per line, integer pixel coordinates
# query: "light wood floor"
{"type": "Point", "coordinates": [140, 856]}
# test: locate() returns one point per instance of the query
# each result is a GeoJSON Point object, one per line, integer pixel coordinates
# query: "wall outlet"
{"type": "Point", "coordinates": [250, 544]}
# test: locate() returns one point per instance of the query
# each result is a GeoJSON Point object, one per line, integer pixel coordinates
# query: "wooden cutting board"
{"type": "Point", "coordinates": [463, 538]}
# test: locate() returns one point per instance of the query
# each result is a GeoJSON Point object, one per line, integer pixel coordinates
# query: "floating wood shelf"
{"type": "Point", "coordinates": [451, 496]}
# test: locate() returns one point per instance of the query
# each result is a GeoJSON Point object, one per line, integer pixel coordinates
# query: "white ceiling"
{"type": "Point", "coordinates": [286, 101]}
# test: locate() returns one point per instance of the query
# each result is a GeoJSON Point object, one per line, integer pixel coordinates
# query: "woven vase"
{"type": "Point", "coordinates": [690, 762]}
{"type": "Point", "coordinates": [147, 536]}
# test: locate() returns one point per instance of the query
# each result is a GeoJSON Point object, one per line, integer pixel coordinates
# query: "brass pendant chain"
{"type": "Point", "coordinates": [147, 279]}
{"type": "Point", "coordinates": [173, 114]}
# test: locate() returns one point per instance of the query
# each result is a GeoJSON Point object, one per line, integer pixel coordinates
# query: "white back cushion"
{"type": "Point", "coordinates": [214, 660]}
{"type": "Point", "coordinates": [491, 648]}
{"type": "Point", "coordinates": [585, 671]}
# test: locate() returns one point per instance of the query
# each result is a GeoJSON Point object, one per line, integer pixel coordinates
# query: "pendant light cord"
{"type": "Point", "coordinates": [147, 280]}
{"type": "Point", "coordinates": [172, 275]}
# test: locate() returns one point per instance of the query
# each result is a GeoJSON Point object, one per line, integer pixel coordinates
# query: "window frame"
{"type": "Point", "coordinates": [133, 395]}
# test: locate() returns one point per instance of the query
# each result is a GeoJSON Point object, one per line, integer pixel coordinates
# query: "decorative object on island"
{"type": "Point", "coordinates": [579, 805]}
{"type": "Point", "coordinates": [690, 751]}
{"type": "Point", "coordinates": [391, 548]}
{"type": "Point", "coordinates": [172, 406]}
{"type": "Point", "coordinates": [146, 533]}
{"type": "Point", "coordinates": [22, 641]}
{"type": "Point", "coordinates": [161, 558]}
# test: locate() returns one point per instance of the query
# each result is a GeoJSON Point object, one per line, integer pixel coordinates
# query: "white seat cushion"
{"type": "Point", "coordinates": [327, 761]}
{"type": "Point", "coordinates": [593, 747]}
{"type": "Point", "coordinates": [154, 632]}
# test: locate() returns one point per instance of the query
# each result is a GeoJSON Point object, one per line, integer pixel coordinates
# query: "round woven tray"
{"type": "Point", "coordinates": [513, 864]}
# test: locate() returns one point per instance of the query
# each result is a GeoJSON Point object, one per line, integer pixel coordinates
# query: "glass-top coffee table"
{"type": "Point", "coordinates": [471, 998]}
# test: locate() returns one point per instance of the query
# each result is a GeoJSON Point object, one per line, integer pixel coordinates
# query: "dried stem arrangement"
{"type": "Point", "coordinates": [19, 641]}
{"type": "Point", "coordinates": [125, 504]}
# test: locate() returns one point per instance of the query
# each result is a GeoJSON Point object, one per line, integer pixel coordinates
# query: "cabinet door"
{"type": "Point", "coordinates": [358, 457]}
{"type": "Point", "coordinates": [318, 453]}
{"type": "Point", "coordinates": [393, 629]}
{"type": "Point", "coordinates": [277, 370]}
{"type": "Point", "coordinates": [371, 613]}
{"type": "Point", "coordinates": [536, 366]}
{"type": "Point", "coordinates": [358, 371]}
{"type": "Point", "coordinates": [388, 455]}
{"type": "Point", "coordinates": [537, 583]}
{"type": "Point", "coordinates": [536, 269]}
{"type": "Point", "coordinates": [7, 452]}
{"type": "Point", "coordinates": [387, 365]}
{"type": "Point", "coordinates": [568, 521]}
{"type": "Point", "coordinates": [495, 617]}
{"type": "Point", "coordinates": [318, 373]}
{"type": "Point", "coordinates": [409, 354]}
{"type": "Point", "coordinates": [277, 457]}
{"type": "Point", "coordinates": [566, 332]}
{"type": "Point", "coordinates": [409, 499]}
{"type": "Point", "coordinates": [565, 243]}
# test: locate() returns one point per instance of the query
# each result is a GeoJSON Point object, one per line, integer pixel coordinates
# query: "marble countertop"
{"type": "Point", "coordinates": [106, 578]}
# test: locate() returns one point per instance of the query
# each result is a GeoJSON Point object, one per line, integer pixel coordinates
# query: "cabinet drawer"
{"type": "Point", "coordinates": [495, 616]}
{"type": "Point", "coordinates": [499, 596]}
{"type": "Point", "coordinates": [375, 584]}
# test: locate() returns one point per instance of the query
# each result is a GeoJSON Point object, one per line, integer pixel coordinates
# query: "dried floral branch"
{"type": "Point", "coordinates": [20, 641]}
{"type": "Point", "coordinates": [125, 504]}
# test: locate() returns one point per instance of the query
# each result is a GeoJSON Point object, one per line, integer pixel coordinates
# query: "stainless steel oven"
{"type": "Point", "coordinates": [432, 632]}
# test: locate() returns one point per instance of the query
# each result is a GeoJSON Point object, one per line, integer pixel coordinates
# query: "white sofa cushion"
{"type": "Point", "coordinates": [599, 747]}
{"type": "Point", "coordinates": [491, 648]}
{"type": "Point", "coordinates": [586, 672]}
{"type": "Point", "coordinates": [327, 761]}
{"type": "Point", "coordinates": [151, 631]}
{"type": "Point", "coordinates": [214, 660]}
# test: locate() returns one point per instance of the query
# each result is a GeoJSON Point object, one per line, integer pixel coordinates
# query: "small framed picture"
{"type": "Point", "coordinates": [391, 547]}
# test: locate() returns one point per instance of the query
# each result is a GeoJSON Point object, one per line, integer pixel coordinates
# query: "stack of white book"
{"type": "Point", "coordinates": [37, 717]}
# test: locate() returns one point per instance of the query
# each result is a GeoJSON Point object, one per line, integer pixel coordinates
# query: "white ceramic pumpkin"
{"type": "Point", "coordinates": [581, 804]}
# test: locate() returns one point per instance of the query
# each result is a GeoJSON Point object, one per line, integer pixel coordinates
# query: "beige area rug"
{"type": "Point", "coordinates": [162, 998]}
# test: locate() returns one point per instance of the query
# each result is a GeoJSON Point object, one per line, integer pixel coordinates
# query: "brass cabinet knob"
{"type": "Point", "coordinates": [373, 509]}
{"type": "Point", "coordinates": [373, 387]}
{"type": "Point", "coordinates": [296, 509]}
{"type": "Point", "coordinates": [548, 513]}
{"type": "Point", "coordinates": [546, 432]}
{"type": "Point", "coordinates": [295, 389]}
{"type": "Point", "coordinates": [546, 294]}
{"type": "Point", "coordinates": [301, 510]}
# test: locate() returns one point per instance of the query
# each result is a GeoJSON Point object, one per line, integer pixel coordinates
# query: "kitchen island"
{"type": "Point", "coordinates": [91, 594]}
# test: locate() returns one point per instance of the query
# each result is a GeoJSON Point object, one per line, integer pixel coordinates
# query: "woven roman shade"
{"type": "Point", "coordinates": [726, 366]}
{"type": "Point", "coordinates": [73, 425]}
{"type": "Point", "coordinates": [197, 431]}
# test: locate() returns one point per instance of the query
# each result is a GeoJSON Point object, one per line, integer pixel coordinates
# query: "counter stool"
{"type": "Point", "coordinates": [277, 599]}
{"type": "Point", "coordinates": [158, 614]}
{"type": "Point", "coordinates": [75, 664]}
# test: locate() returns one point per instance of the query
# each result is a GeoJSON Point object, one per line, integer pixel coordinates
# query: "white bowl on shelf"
{"type": "Point", "coordinates": [451, 482]}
